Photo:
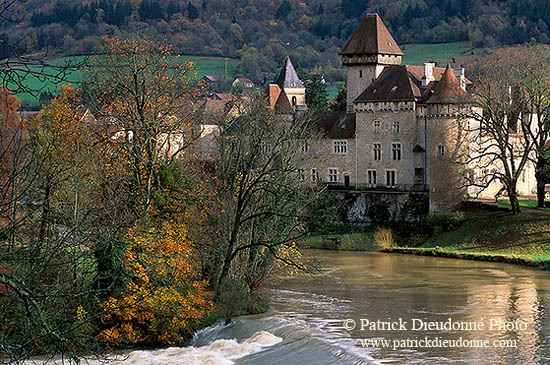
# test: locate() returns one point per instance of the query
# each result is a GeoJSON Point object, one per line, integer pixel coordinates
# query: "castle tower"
{"type": "Point", "coordinates": [367, 52]}
{"type": "Point", "coordinates": [447, 142]}
{"type": "Point", "coordinates": [290, 83]}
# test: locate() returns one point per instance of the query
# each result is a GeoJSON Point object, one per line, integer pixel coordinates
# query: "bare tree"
{"type": "Point", "coordinates": [264, 197]}
{"type": "Point", "coordinates": [499, 138]}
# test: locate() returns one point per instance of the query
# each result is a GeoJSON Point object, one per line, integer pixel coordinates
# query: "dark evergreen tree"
{"type": "Point", "coordinates": [316, 94]}
{"type": "Point", "coordinates": [283, 10]}
{"type": "Point", "coordinates": [192, 11]}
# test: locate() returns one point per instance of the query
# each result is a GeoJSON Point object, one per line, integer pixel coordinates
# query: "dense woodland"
{"type": "Point", "coordinates": [263, 32]}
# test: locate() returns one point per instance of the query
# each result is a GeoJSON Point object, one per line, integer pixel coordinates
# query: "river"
{"type": "Point", "coordinates": [480, 313]}
{"type": "Point", "coordinates": [308, 313]}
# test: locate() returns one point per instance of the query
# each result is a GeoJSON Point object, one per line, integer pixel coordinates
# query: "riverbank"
{"type": "Point", "coordinates": [487, 235]}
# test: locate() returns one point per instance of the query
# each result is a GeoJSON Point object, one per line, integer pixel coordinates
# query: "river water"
{"type": "Point", "coordinates": [308, 313]}
{"type": "Point", "coordinates": [479, 313]}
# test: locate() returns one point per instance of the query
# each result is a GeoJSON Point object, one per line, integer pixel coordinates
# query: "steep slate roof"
{"type": "Point", "coordinates": [335, 124]}
{"type": "Point", "coordinates": [448, 90]}
{"type": "Point", "coordinates": [288, 78]}
{"type": "Point", "coordinates": [283, 105]}
{"type": "Point", "coordinates": [372, 37]}
{"type": "Point", "coordinates": [393, 84]}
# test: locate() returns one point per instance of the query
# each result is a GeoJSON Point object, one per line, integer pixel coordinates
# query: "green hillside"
{"type": "Point", "coordinates": [418, 54]}
{"type": "Point", "coordinates": [205, 65]}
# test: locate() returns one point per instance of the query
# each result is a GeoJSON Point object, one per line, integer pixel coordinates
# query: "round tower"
{"type": "Point", "coordinates": [447, 141]}
{"type": "Point", "coordinates": [367, 52]}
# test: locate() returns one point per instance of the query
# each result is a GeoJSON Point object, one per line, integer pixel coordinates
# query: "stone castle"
{"type": "Point", "coordinates": [400, 134]}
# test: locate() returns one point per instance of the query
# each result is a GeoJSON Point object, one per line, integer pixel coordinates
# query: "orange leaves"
{"type": "Point", "coordinates": [161, 301]}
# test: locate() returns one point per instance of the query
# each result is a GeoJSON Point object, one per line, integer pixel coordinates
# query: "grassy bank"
{"type": "Point", "coordinates": [482, 235]}
{"type": "Point", "coordinates": [491, 234]}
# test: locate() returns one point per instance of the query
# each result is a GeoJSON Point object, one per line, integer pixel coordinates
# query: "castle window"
{"type": "Point", "coordinates": [376, 126]}
{"type": "Point", "coordinates": [332, 175]}
{"type": "Point", "coordinates": [305, 148]}
{"type": "Point", "coordinates": [340, 147]}
{"type": "Point", "coordinates": [377, 151]}
{"type": "Point", "coordinates": [371, 178]}
{"type": "Point", "coordinates": [395, 107]}
{"type": "Point", "coordinates": [396, 127]}
{"type": "Point", "coordinates": [396, 151]}
{"type": "Point", "coordinates": [293, 101]}
{"type": "Point", "coordinates": [360, 73]}
{"type": "Point", "coordinates": [314, 175]}
{"type": "Point", "coordinates": [440, 150]}
{"type": "Point", "coordinates": [376, 107]}
{"type": "Point", "coordinates": [301, 174]}
{"type": "Point", "coordinates": [390, 178]}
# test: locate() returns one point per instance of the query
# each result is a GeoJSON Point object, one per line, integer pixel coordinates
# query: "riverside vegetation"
{"type": "Point", "coordinates": [116, 232]}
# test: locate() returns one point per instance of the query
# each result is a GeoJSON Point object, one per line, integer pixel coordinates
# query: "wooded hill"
{"type": "Point", "coordinates": [263, 32]}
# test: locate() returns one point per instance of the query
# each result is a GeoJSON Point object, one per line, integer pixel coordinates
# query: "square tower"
{"type": "Point", "coordinates": [367, 52]}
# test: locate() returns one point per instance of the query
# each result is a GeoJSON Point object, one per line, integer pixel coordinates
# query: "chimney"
{"type": "Point", "coordinates": [461, 77]}
{"type": "Point", "coordinates": [428, 74]}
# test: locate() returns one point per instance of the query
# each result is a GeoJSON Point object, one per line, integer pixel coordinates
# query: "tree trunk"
{"type": "Point", "coordinates": [514, 201]}
{"type": "Point", "coordinates": [540, 181]}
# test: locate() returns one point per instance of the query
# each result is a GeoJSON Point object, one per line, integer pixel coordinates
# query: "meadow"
{"type": "Point", "coordinates": [205, 65]}
{"type": "Point", "coordinates": [415, 54]}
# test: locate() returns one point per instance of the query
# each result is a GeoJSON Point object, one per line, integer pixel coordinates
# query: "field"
{"type": "Point", "coordinates": [415, 54]}
{"type": "Point", "coordinates": [418, 54]}
{"type": "Point", "coordinates": [205, 65]}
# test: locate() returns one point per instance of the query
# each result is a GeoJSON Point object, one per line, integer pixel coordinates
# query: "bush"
{"type": "Point", "coordinates": [379, 213]}
{"type": "Point", "coordinates": [383, 238]}
{"type": "Point", "coordinates": [356, 242]}
{"type": "Point", "coordinates": [234, 298]}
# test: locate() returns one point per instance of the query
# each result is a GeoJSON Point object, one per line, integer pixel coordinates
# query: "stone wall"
{"type": "Point", "coordinates": [361, 208]}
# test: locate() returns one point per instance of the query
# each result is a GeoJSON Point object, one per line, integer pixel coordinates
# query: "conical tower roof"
{"type": "Point", "coordinates": [448, 90]}
{"type": "Point", "coordinates": [371, 37]}
{"type": "Point", "coordinates": [288, 78]}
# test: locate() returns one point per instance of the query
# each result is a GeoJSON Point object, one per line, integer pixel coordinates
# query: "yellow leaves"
{"type": "Point", "coordinates": [162, 300]}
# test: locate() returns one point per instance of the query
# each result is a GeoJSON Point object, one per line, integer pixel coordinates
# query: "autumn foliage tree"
{"type": "Point", "coordinates": [163, 299]}
{"type": "Point", "coordinates": [145, 94]}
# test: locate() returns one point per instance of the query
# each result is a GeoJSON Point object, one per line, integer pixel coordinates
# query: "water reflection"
{"type": "Point", "coordinates": [390, 287]}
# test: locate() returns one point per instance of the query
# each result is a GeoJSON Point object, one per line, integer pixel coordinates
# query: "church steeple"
{"type": "Point", "coordinates": [290, 83]}
{"type": "Point", "coordinates": [288, 78]}
{"type": "Point", "coordinates": [367, 52]}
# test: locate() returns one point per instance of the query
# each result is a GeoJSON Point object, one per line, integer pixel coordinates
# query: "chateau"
{"type": "Point", "coordinates": [399, 135]}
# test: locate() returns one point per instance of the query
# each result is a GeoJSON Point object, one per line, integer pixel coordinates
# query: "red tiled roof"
{"type": "Point", "coordinates": [335, 124]}
{"type": "Point", "coordinates": [371, 37]}
{"type": "Point", "coordinates": [448, 91]}
{"type": "Point", "coordinates": [418, 73]}
{"type": "Point", "coordinates": [272, 93]}
{"type": "Point", "coordinates": [283, 105]}
{"type": "Point", "coordinates": [393, 84]}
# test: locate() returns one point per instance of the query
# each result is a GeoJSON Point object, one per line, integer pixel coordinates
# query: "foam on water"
{"type": "Point", "coordinates": [220, 352]}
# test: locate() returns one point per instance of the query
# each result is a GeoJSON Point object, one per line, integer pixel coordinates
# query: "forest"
{"type": "Point", "coordinates": [262, 32]}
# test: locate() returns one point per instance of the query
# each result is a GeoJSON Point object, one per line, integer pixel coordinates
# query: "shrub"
{"type": "Point", "coordinates": [383, 238]}
{"type": "Point", "coordinates": [162, 301]}
{"type": "Point", "coordinates": [356, 242]}
{"type": "Point", "coordinates": [379, 213]}
{"type": "Point", "coordinates": [234, 298]}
